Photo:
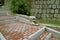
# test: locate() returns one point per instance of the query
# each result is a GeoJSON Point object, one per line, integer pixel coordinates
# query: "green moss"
{"type": "Point", "coordinates": [19, 7]}
{"type": "Point", "coordinates": [50, 22]}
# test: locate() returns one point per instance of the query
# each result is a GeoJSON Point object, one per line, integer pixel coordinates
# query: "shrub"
{"type": "Point", "coordinates": [1, 2]}
{"type": "Point", "coordinates": [19, 6]}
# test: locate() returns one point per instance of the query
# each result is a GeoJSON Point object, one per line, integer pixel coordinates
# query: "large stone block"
{"type": "Point", "coordinates": [41, 2]}
{"type": "Point", "coordinates": [52, 1]}
{"type": "Point", "coordinates": [36, 2]}
{"type": "Point", "coordinates": [40, 10]}
{"type": "Point", "coordinates": [58, 16]}
{"type": "Point", "coordinates": [57, 2]}
{"type": "Point", "coordinates": [52, 11]}
{"type": "Point", "coordinates": [45, 6]}
{"type": "Point", "coordinates": [32, 10]}
{"type": "Point", "coordinates": [47, 15]}
{"type": "Point", "coordinates": [48, 2]}
{"type": "Point", "coordinates": [48, 10]}
{"type": "Point", "coordinates": [55, 15]}
{"type": "Point", "coordinates": [36, 6]}
{"type": "Point", "coordinates": [56, 10]}
{"type": "Point", "coordinates": [32, 6]}
{"type": "Point", "coordinates": [53, 6]}
{"type": "Point", "coordinates": [40, 6]}
{"type": "Point", "coordinates": [45, 2]}
{"type": "Point", "coordinates": [49, 6]}
{"type": "Point", "coordinates": [36, 10]}
{"type": "Point", "coordinates": [58, 6]}
{"type": "Point", "coordinates": [44, 10]}
{"type": "Point", "coordinates": [43, 15]}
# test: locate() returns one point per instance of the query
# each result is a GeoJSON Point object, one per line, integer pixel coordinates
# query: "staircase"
{"type": "Point", "coordinates": [45, 34]}
{"type": "Point", "coordinates": [4, 16]}
{"type": "Point", "coordinates": [3, 11]}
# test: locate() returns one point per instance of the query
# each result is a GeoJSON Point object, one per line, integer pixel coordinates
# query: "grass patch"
{"type": "Point", "coordinates": [50, 22]}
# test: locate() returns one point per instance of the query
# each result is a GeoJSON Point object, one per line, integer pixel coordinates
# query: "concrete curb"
{"type": "Point", "coordinates": [7, 21]}
{"type": "Point", "coordinates": [52, 32]}
{"type": "Point", "coordinates": [36, 34]}
{"type": "Point", "coordinates": [2, 37]}
{"type": "Point", "coordinates": [48, 36]}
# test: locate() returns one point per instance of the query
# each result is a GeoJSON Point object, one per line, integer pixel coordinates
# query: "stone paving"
{"type": "Point", "coordinates": [17, 31]}
{"type": "Point", "coordinates": [43, 36]}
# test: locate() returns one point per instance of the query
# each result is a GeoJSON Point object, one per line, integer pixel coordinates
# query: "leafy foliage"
{"type": "Point", "coordinates": [19, 6]}
{"type": "Point", "coordinates": [1, 2]}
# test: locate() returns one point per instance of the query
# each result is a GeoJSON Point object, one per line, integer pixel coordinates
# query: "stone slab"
{"type": "Point", "coordinates": [2, 37]}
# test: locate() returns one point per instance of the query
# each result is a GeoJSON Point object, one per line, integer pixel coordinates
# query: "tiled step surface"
{"type": "Point", "coordinates": [3, 11]}
{"type": "Point", "coordinates": [2, 18]}
{"type": "Point", "coordinates": [2, 37]}
{"type": "Point", "coordinates": [54, 38]}
{"type": "Point", "coordinates": [7, 19]}
{"type": "Point", "coordinates": [44, 35]}
{"type": "Point", "coordinates": [17, 30]}
{"type": "Point", "coordinates": [13, 31]}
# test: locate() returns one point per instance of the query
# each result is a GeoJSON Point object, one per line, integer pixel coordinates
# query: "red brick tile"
{"type": "Point", "coordinates": [12, 30]}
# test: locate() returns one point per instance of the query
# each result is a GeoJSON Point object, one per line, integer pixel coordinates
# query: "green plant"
{"type": "Point", "coordinates": [56, 22]}
{"type": "Point", "coordinates": [1, 2]}
{"type": "Point", "coordinates": [19, 6]}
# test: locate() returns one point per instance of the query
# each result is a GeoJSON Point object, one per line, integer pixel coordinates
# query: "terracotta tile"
{"type": "Point", "coordinates": [12, 30]}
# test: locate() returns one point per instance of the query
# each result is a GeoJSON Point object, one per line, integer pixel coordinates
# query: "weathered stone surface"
{"type": "Point", "coordinates": [48, 10]}
{"type": "Point", "coordinates": [49, 6]}
{"type": "Point", "coordinates": [48, 2]}
{"type": "Point", "coordinates": [32, 10]}
{"type": "Point", "coordinates": [45, 2]}
{"type": "Point", "coordinates": [45, 6]}
{"type": "Point", "coordinates": [36, 10]}
{"type": "Point", "coordinates": [53, 6]}
{"type": "Point", "coordinates": [58, 6]}
{"type": "Point", "coordinates": [57, 2]}
{"type": "Point", "coordinates": [40, 6]}
{"type": "Point", "coordinates": [52, 1]}
{"type": "Point", "coordinates": [41, 2]}
{"type": "Point", "coordinates": [36, 6]}
{"type": "Point", "coordinates": [44, 10]}
{"type": "Point", "coordinates": [40, 10]}
{"type": "Point", "coordinates": [56, 10]}
{"type": "Point", "coordinates": [52, 10]}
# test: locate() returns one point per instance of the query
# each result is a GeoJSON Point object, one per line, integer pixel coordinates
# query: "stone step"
{"type": "Point", "coordinates": [2, 37]}
{"type": "Point", "coordinates": [54, 32]}
{"type": "Point", "coordinates": [43, 35]}
{"type": "Point", "coordinates": [3, 13]}
{"type": "Point", "coordinates": [22, 19]}
{"type": "Point", "coordinates": [7, 21]}
{"type": "Point", "coordinates": [36, 34]}
{"type": "Point", "coordinates": [47, 34]}
{"type": "Point", "coordinates": [48, 37]}
{"type": "Point", "coordinates": [6, 18]}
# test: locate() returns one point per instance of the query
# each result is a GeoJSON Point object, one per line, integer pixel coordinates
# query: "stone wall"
{"type": "Point", "coordinates": [46, 9]}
